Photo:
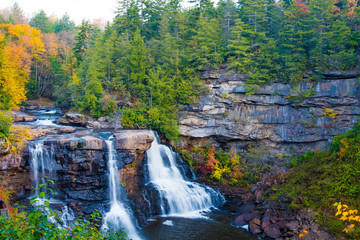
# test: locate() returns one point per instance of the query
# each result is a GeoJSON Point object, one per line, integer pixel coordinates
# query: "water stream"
{"type": "Point", "coordinates": [179, 197]}
{"type": "Point", "coordinates": [40, 165]}
{"type": "Point", "coordinates": [119, 216]}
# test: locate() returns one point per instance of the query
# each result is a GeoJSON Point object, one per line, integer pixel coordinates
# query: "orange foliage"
{"type": "Point", "coordinates": [19, 46]}
{"type": "Point", "coordinates": [211, 162]}
{"type": "Point", "coordinates": [235, 164]}
{"type": "Point", "coordinates": [352, 5]}
{"type": "Point", "coordinates": [343, 148]}
{"type": "Point", "coordinates": [5, 196]}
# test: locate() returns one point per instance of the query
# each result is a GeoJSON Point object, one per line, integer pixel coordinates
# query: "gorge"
{"type": "Point", "coordinates": [146, 179]}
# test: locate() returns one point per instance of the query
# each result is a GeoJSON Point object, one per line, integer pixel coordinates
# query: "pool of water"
{"type": "Point", "coordinates": [213, 226]}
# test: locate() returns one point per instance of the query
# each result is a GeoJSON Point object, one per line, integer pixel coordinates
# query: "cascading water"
{"type": "Point", "coordinates": [178, 196]}
{"type": "Point", "coordinates": [67, 217]}
{"type": "Point", "coordinates": [118, 217]}
{"type": "Point", "coordinates": [40, 165]}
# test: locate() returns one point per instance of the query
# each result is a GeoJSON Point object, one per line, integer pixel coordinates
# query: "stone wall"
{"type": "Point", "coordinates": [229, 116]}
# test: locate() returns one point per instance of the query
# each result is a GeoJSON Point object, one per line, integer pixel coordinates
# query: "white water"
{"type": "Point", "coordinates": [118, 217]}
{"type": "Point", "coordinates": [44, 122]}
{"type": "Point", "coordinates": [67, 217]}
{"type": "Point", "coordinates": [40, 165]}
{"type": "Point", "coordinates": [179, 197]}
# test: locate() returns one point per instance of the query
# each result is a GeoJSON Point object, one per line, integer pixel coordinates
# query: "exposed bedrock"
{"type": "Point", "coordinates": [80, 171]}
{"type": "Point", "coordinates": [284, 118]}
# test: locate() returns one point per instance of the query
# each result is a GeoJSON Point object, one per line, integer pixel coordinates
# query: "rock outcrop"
{"type": "Point", "coordinates": [22, 117]}
{"type": "Point", "coordinates": [74, 119]}
{"type": "Point", "coordinates": [79, 169]}
{"type": "Point", "coordinates": [287, 120]}
{"type": "Point", "coordinates": [274, 219]}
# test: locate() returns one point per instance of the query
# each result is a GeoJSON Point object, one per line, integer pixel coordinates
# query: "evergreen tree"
{"type": "Point", "coordinates": [206, 44]}
{"type": "Point", "coordinates": [42, 22]}
{"type": "Point", "coordinates": [64, 24]}
{"type": "Point", "coordinates": [137, 64]}
{"type": "Point", "coordinates": [81, 42]}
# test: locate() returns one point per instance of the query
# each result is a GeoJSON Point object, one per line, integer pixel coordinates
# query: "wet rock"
{"type": "Point", "coordinates": [67, 129]}
{"type": "Point", "coordinates": [239, 221]}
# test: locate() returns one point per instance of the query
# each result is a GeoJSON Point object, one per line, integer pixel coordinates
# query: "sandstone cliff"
{"type": "Point", "coordinates": [285, 119]}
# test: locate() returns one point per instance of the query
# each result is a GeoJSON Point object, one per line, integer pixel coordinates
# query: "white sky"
{"type": "Point", "coordinates": [77, 9]}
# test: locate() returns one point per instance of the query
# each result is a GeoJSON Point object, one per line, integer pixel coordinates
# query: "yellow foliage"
{"type": "Point", "coordinates": [235, 165]}
{"type": "Point", "coordinates": [328, 112]}
{"type": "Point", "coordinates": [303, 233]}
{"type": "Point", "coordinates": [19, 136]}
{"type": "Point", "coordinates": [347, 215]}
{"type": "Point", "coordinates": [218, 171]}
{"type": "Point", "coordinates": [22, 45]}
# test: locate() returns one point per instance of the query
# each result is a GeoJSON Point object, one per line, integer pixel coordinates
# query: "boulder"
{"type": "Point", "coordinates": [133, 140]}
{"type": "Point", "coordinates": [67, 129]}
{"type": "Point", "coordinates": [272, 231]}
{"type": "Point", "coordinates": [254, 226]}
{"type": "Point", "coordinates": [22, 117]}
{"type": "Point", "coordinates": [74, 119]}
{"type": "Point", "coordinates": [239, 221]}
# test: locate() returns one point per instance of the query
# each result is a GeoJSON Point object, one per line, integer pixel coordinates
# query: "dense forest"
{"type": "Point", "coordinates": [152, 54]}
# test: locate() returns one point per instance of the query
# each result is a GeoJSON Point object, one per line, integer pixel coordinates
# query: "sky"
{"type": "Point", "coordinates": [77, 9]}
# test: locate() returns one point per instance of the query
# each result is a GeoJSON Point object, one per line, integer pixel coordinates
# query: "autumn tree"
{"type": "Point", "coordinates": [22, 47]}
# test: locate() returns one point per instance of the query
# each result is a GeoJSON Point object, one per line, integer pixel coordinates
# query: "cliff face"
{"type": "Point", "coordinates": [282, 118]}
{"type": "Point", "coordinates": [79, 169]}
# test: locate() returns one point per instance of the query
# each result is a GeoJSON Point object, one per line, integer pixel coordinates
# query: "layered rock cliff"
{"type": "Point", "coordinates": [79, 168]}
{"type": "Point", "coordinates": [284, 119]}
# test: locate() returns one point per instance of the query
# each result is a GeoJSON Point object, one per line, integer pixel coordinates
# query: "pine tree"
{"type": "Point", "coordinates": [81, 42]}
{"type": "Point", "coordinates": [240, 44]}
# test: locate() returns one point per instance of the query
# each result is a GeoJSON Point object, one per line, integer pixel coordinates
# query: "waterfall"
{"type": "Point", "coordinates": [118, 217]}
{"type": "Point", "coordinates": [67, 217]}
{"type": "Point", "coordinates": [178, 196]}
{"type": "Point", "coordinates": [40, 165]}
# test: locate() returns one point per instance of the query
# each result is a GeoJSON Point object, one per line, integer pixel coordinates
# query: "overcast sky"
{"type": "Point", "coordinates": [77, 9]}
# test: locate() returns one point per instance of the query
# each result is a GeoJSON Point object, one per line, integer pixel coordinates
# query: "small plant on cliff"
{"type": "Point", "coordinates": [349, 216]}
{"type": "Point", "coordinates": [330, 113]}
{"type": "Point", "coordinates": [299, 95]}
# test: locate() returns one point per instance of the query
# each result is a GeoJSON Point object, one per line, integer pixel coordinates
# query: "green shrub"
{"type": "Point", "coordinates": [5, 123]}
{"type": "Point", "coordinates": [38, 223]}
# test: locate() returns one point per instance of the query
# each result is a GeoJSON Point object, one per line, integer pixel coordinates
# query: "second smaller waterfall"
{"type": "Point", "coordinates": [118, 217]}
{"type": "Point", "coordinates": [178, 196]}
